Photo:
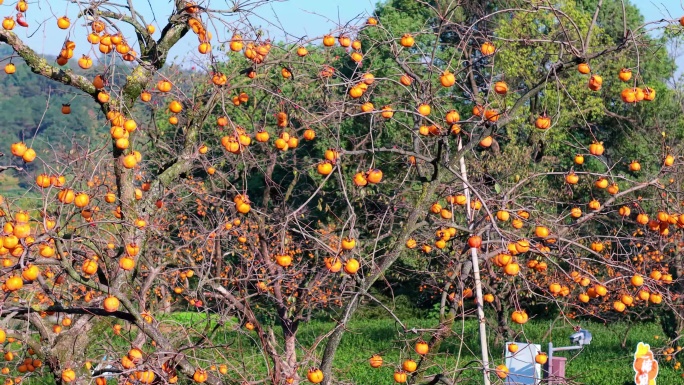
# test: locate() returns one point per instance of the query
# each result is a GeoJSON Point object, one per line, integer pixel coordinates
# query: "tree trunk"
{"type": "Point", "coordinates": [503, 331]}
{"type": "Point", "coordinates": [69, 351]}
{"type": "Point", "coordinates": [290, 366]}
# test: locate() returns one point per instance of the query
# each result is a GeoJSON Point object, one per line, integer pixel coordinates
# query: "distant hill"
{"type": "Point", "coordinates": [31, 110]}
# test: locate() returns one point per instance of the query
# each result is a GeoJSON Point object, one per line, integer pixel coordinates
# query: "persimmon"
{"type": "Point", "coordinates": [66, 196]}
{"type": "Point", "coordinates": [594, 204]}
{"type": "Point", "coordinates": [43, 180]}
{"type": "Point", "coordinates": [374, 176]}
{"type": "Point", "coordinates": [501, 88]}
{"type": "Point", "coordinates": [30, 273]}
{"type": "Point", "coordinates": [13, 283]}
{"type": "Point", "coordinates": [117, 39]}
{"type": "Point", "coordinates": [262, 136]}
{"type": "Point", "coordinates": [486, 141]}
{"type": "Point", "coordinates": [89, 267]}
{"type": "Point", "coordinates": [519, 317]}
{"type": "Point", "coordinates": [405, 80]}
{"type": "Point", "coordinates": [10, 68]}
{"type": "Point", "coordinates": [649, 94]}
{"type": "Point", "coordinates": [145, 376]}
{"type": "Point", "coordinates": [236, 43]}
{"type": "Point", "coordinates": [629, 95]}
{"type": "Point", "coordinates": [110, 304]}
{"type": "Point", "coordinates": [407, 40]}
{"type": "Point", "coordinates": [642, 219]}
{"type": "Point", "coordinates": [596, 148]}
{"type": "Point", "coordinates": [503, 260]}
{"type": "Point", "coordinates": [93, 38]}
{"type": "Point", "coordinates": [492, 115]}
{"type": "Point", "coordinates": [512, 269]}
{"type": "Point", "coordinates": [200, 376]}
{"type": "Point", "coordinates": [164, 85]}
{"type": "Point", "coordinates": [175, 106]}
{"type": "Point", "coordinates": [325, 168]}
{"type": "Point", "coordinates": [355, 92]}
{"type": "Point", "coordinates": [351, 266]}
{"type": "Point", "coordinates": [447, 79]}
{"type": "Point", "coordinates": [81, 200]}
{"type": "Point", "coordinates": [422, 347]}
{"type": "Point", "coordinates": [283, 260]}
{"type": "Point", "coordinates": [387, 112]}
{"type": "Point", "coordinates": [487, 48]}
{"type": "Point", "coordinates": [334, 265]}
{"type": "Point", "coordinates": [475, 241]}
{"type": "Point", "coordinates": [543, 122]}
{"type": "Point", "coordinates": [204, 48]}
{"type": "Point", "coordinates": [103, 97]}
{"type": "Point", "coordinates": [424, 109]}
{"type": "Point", "coordinates": [348, 243]}
{"type": "Point", "coordinates": [375, 361]}
{"type": "Point", "coordinates": [68, 375]}
{"type": "Point", "coordinates": [625, 74]}
{"type": "Point", "coordinates": [541, 231]}
{"type": "Point", "coordinates": [314, 375]}
{"type": "Point", "coordinates": [601, 183]}
{"type": "Point", "coordinates": [129, 161]}
{"type": "Point", "coordinates": [356, 56]}
{"type": "Point", "coordinates": [63, 22]}
{"type": "Point", "coordinates": [613, 189]}
{"type": "Point", "coordinates": [127, 263]}
{"type": "Point", "coordinates": [400, 376]}
{"type": "Point", "coordinates": [29, 155]}
{"type": "Point", "coordinates": [502, 371]}
{"type": "Point", "coordinates": [541, 358]}
{"type": "Point", "coordinates": [328, 40]}
{"type": "Point", "coordinates": [595, 82]}
{"type": "Point", "coordinates": [219, 79]}
{"type": "Point", "coordinates": [409, 365]}
{"type": "Point", "coordinates": [8, 23]}
{"type": "Point", "coordinates": [627, 299]}
{"type": "Point", "coordinates": [583, 68]}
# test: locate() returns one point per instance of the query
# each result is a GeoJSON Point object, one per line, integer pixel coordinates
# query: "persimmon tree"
{"type": "Point", "coordinates": [295, 179]}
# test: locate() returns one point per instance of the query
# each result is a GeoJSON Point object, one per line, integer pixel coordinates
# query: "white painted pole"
{"type": "Point", "coordinates": [476, 275]}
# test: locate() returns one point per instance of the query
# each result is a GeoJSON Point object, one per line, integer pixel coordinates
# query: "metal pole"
{"type": "Point", "coordinates": [481, 315]}
{"type": "Point", "coordinates": [476, 276]}
{"type": "Point", "coordinates": [550, 361]}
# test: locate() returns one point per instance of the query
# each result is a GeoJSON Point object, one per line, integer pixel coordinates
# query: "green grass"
{"type": "Point", "coordinates": [604, 362]}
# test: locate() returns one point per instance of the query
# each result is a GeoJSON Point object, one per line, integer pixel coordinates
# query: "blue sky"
{"type": "Point", "coordinates": [299, 17]}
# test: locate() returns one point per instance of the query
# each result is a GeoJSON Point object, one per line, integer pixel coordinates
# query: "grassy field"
{"type": "Point", "coordinates": [604, 362]}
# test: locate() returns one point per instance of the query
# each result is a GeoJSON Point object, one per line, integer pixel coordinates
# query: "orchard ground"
{"type": "Point", "coordinates": [604, 362]}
